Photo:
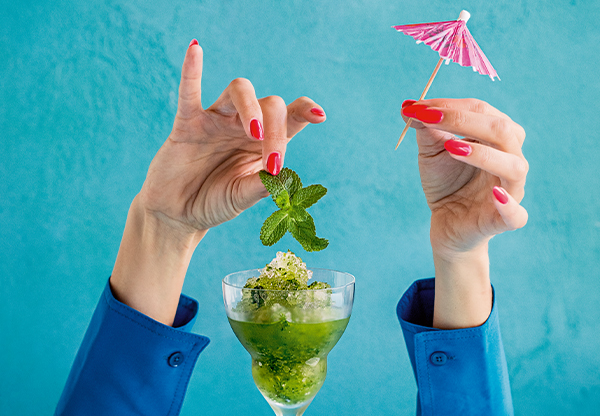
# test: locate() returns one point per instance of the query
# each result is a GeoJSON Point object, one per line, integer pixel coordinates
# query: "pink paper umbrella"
{"type": "Point", "coordinates": [453, 41]}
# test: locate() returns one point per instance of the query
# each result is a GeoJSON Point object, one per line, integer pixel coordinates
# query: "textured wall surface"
{"type": "Point", "coordinates": [88, 95]}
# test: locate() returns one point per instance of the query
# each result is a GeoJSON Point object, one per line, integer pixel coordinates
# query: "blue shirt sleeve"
{"type": "Point", "coordinates": [460, 371]}
{"type": "Point", "coordinates": [130, 364]}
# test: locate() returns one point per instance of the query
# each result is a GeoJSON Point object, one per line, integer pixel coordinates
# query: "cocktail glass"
{"type": "Point", "coordinates": [289, 334]}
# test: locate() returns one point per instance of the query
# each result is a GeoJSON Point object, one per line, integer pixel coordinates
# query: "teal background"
{"type": "Point", "coordinates": [88, 95]}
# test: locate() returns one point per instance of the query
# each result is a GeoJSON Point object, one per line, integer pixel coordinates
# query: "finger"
{"type": "Point", "coordinates": [472, 105]}
{"type": "Point", "coordinates": [495, 131]}
{"type": "Point", "coordinates": [240, 98]}
{"type": "Point", "coordinates": [302, 112]}
{"type": "Point", "coordinates": [513, 216]}
{"type": "Point", "coordinates": [275, 142]}
{"type": "Point", "coordinates": [190, 104]}
{"type": "Point", "coordinates": [510, 168]}
{"type": "Point", "coordinates": [467, 104]}
{"type": "Point", "coordinates": [249, 192]}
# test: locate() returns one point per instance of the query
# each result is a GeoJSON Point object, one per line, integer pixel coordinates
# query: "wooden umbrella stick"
{"type": "Point", "coordinates": [435, 71]}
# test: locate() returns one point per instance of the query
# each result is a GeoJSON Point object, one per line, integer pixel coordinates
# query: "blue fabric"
{"type": "Point", "coordinates": [474, 378]}
{"type": "Point", "coordinates": [124, 365]}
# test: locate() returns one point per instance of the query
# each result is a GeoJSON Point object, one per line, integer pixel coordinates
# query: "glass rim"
{"type": "Point", "coordinates": [351, 282]}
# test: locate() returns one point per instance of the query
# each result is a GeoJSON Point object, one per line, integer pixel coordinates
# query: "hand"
{"type": "Point", "coordinates": [460, 189]}
{"type": "Point", "coordinates": [473, 187]}
{"type": "Point", "coordinates": [206, 173]}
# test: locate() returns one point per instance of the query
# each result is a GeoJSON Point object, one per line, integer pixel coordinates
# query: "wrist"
{"type": "Point", "coordinates": [463, 292]}
{"type": "Point", "coordinates": [151, 264]}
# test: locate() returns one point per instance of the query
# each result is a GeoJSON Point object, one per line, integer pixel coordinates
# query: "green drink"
{"type": "Point", "coordinates": [289, 360]}
{"type": "Point", "coordinates": [288, 326]}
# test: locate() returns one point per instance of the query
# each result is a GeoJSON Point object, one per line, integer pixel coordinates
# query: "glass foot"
{"type": "Point", "coordinates": [283, 410]}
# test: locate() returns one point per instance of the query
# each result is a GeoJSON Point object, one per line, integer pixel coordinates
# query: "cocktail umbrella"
{"type": "Point", "coordinates": [453, 41]}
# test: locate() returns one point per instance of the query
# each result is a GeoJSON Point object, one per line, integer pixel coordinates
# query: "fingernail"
{"type": "Point", "coordinates": [411, 110]}
{"type": "Point", "coordinates": [256, 129]}
{"type": "Point", "coordinates": [458, 148]}
{"type": "Point", "coordinates": [427, 115]}
{"type": "Point", "coordinates": [193, 42]}
{"type": "Point", "coordinates": [317, 111]}
{"type": "Point", "coordinates": [406, 103]}
{"type": "Point", "coordinates": [500, 194]}
{"type": "Point", "coordinates": [274, 163]}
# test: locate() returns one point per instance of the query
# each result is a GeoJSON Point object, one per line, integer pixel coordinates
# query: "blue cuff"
{"type": "Point", "coordinates": [130, 364]}
{"type": "Point", "coordinates": [459, 371]}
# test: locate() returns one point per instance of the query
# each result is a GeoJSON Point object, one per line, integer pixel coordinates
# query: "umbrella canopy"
{"type": "Point", "coordinates": [453, 41]}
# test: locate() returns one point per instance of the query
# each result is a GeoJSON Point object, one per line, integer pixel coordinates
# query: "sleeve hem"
{"type": "Point", "coordinates": [150, 324]}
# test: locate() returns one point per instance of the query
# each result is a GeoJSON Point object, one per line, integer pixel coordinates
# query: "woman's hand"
{"type": "Point", "coordinates": [206, 173]}
{"type": "Point", "coordinates": [473, 187]}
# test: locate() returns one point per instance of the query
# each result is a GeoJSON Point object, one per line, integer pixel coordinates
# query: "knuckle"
{"type": "Point", "coordinates": [501, 127]}
{"type": "Point", "coordinates": [443, 103]}
{"type": "Point", "coordinates": [523, 167]}
{"type": "Point", "coordinates": [479, 106]}
{"type": "Point", "coordinates": [240, 83]}
{"type": "Point", "coordinates": [519, 169]}
{"type": "Point", "coordinates": [521, 133]}
{"type": "Point", "coordinates": [274, 101]}
{"type": "Point", "coordinates": [460, 119]}
{"type": "Point", "coordinates": [246, 107]}
{"type": "Point", "coordinates": [485, 155]}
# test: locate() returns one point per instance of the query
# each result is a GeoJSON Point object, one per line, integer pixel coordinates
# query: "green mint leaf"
{"type": "Point", "coordinates": [300, 215]}
{"type": "Point", "coordinates": [274, 228]}
{"type": "Point", "coordinates": [292, 199]}
{"type": "Point", "coordinates": [283, 200]}
{"type": "Point", "coordinates": [304, 232]}
{"type": "Point", "coordinates": [306, 197]}
{"type": "Point", "coordinates": [286, 180]}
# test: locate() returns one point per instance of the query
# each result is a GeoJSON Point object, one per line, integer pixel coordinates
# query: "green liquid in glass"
{"type": "Point", "coordinates": [289, 360]}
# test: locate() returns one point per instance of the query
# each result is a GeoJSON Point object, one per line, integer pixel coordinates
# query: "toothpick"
{"type": "Point", "coordinates": [435, 71]}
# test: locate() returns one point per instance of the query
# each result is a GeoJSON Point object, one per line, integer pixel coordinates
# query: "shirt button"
{"type": "Point", "coordinates": [175, 359]}
{"type": "Point", "coordinates": [438, 358]}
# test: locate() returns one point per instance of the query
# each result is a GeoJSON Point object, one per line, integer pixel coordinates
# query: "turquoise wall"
{"type": "Point", "coordinates": [88, 94]}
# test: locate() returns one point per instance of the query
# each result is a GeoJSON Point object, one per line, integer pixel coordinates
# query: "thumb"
{"type": "Point", "coordinates": [190, 103]}
{"type": "Point", "coordinates": [250, 191]}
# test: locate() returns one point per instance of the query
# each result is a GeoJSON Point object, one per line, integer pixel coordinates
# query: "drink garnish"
{"type": "Point", "coordinates": [293, 200]}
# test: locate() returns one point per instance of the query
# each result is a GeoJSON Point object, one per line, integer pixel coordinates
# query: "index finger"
{"type": "Point", "coordinates": [240, 98]}
{"type": "Point", "coordinates": [466, 104]}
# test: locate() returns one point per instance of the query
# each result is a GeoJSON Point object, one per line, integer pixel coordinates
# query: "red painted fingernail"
{"type": "Point", "coordinates": [193, 42]}
{"type": "Point", "coordinates": [274, 163]}
{"type": "Point", "coordinates": [500, 194]}
{"type": "Point", "coordinates": [411, 110]}
{"type": "Point", "coordinates": [256, 129]}
{"type": "Point", "coordinates": [458, 148]}
{"type": "Point", "coordinates": [427, 115]}
{"type": "Point", "coordinates": [317, 111]}
{"type": "Point", "coordinates": [406, 103]}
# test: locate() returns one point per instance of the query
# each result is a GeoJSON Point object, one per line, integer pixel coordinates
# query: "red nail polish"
{"type": "Point", "coordinates": [274, 163]}
{"type": "Point", "coordinates": [406, 103]}
{"type": "Point", "coordinates": [256, 129]}
{"type": "Point", "coordinates": [411, 110]}
{"type": "Point", "coordinates": [500, 194]}
{"type": "Point", "coordinates": [458, 148]}
{"type": "Point", "coordinates": [193, 42]}
{"type": "Point", "coordinates": [317, 111]}
{"type": "Point", "coordinates": [427, 115]}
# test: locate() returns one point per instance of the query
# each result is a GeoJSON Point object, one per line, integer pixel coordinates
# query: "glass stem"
{"type": "Point", "coordinates": [281, 410]}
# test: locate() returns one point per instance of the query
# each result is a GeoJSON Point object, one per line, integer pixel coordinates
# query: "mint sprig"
{"type": "Point", "coordinates": [293, 200]}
